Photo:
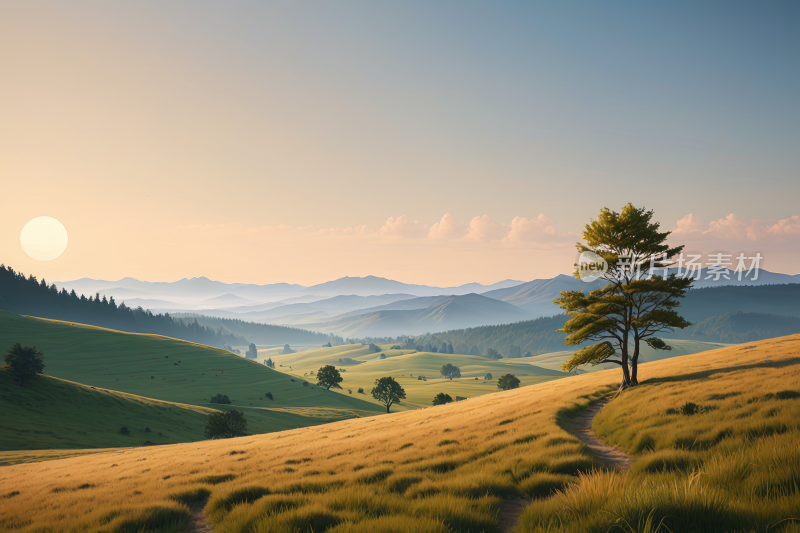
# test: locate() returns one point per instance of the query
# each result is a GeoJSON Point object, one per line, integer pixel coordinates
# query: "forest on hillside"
{"type": "Point", "coordinates": [30, 296]}
{"type": "Point", "coordinates": [262, 334]}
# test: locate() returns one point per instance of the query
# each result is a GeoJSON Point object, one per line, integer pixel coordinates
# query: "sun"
{"type": "Point", "coordinates": [44, 238]}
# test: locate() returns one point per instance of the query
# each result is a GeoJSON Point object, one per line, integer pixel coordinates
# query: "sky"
{"type": "Point", "coordinates": [429, 142]}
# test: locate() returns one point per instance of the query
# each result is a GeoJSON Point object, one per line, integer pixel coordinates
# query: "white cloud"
{"type": "Point", "coordinates": [691, 223]}
{"type": "Point", "coordinates": [539, 229]}
{"type": "Point", "coordinates": [448, 228]}
{"type": "Point", "coordinates": [483, 229]}
{"type": "Point", "coordinates": [402, 226]}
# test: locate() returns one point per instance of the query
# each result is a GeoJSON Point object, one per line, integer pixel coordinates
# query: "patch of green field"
{"type": "Point", "coordinates": [178, 371]}
{"type": "Point", "coordinates": [554, 360]}
{"type": "Point", "coordinates": [53, 413]}
{"type": "Point", "coordinates": [407, 365]}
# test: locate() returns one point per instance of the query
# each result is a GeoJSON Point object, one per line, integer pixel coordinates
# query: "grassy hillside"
{"type": "Point", "coordinates": [739, 327]}
{"type": "Point", "coordinates": [177, 371]}
{"type": "Point", "coordinates": [54, 413]}
{"type": "Point", "coordinates": [554, 360]}
{"type": "Point", "coordinates": [734, 466]}
{"type": "Point", "coordinates": [407, 365]}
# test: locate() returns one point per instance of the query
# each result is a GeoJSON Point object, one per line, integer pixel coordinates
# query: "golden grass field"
{"type": "Point", "coordinates": [733, 466]}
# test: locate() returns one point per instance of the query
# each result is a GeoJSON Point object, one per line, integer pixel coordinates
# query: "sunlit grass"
{"type": "Point", "coordinates": [734, 467]}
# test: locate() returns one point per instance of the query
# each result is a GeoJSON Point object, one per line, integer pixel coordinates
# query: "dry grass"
{"type": "Point", "coordinates": [447, 468]}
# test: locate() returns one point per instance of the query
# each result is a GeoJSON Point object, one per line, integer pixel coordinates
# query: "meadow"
{"type": "Point", "coordinates": [406, 366]}
{"type": "Point", "coordinates": [171, 370]}
{"type": "Point", "coordinates": [730, 463]}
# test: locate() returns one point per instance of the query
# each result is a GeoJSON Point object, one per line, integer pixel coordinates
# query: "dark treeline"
{"type": "Point", "coordinates": [262, 334]}
{"type": "Point", "coordinates": [505, 340]}
{"type": "Point", "coordinates": [29, 296]}
{"type": "Point", "coordinates": [739, 327]}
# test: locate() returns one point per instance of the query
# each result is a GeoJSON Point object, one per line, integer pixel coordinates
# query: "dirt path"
{"type": "Point", "coordinates": [199, 522]}
{"type": "Point", "coordinates": [581, 427]}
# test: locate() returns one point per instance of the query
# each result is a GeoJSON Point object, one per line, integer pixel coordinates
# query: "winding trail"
{"type": "Point", "coordinates": [581, 427]}
{"type": "Point", "coordinates": [199, 522]}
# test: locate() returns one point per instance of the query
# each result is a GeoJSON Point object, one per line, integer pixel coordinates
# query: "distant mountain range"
{"type": "Point", "coordinates": [374, 306]}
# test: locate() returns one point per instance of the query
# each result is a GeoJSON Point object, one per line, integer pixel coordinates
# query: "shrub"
{"type": "Point", "coordinates": [226, 424]}
{"type": "Point", "coordinates": [441, 399]}
{"type": "Point", "coordinates": [305, 384]}
{"type": "Point", "coordinates": [508, 382]}
{"type": "Point", "coordinates": [269, 395]}
{"type": "Point", "coordinates": [787, 395]}
{"type": "Point", "coordinates": [361, 390]}
{"type": "Point", "coordinates": [124, 431]}
{"type": "Point", "coordinates": [220, 398]}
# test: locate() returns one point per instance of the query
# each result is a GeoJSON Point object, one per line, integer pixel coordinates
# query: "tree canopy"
{"type": "Point", "coordinates": [388, 391]}
{"type": "Point", "coordinates": [328, 377]}
{"type": "Point", "coordinates": [635, 303]}
{"type": "Point", "coordinates": [508, 382]}
{"type": "Point", "coordinates": [24, 362]}
{"type": "Point", "coordinates": [450, 371]}
{"type": "Point", "coordinates": [226, 424]}
{"type": "Point", "coordinates": [442, 398]}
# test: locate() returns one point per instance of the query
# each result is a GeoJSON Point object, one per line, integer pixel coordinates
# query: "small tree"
{"type": "Point", "coordinates": [388, 391]}
{"type": "Point", "coordinates": [491, 353]}
{"type": "Point", "coordinates": [488, 376]}
{"type": "Point", "coordinates": [23, 363]}
{"type": "Point", "coordinates": [328, 377]}
{"type": "Point", "coordinates": [441, 399]}
{"type": "Point", "coordinates": [220, 398]}
{"type": "Point", "coordinates": [508, 382]}
{"type": "Point", "coordinates": [226, 424]}
{"type": "Point", "coordinates": [374, 348]}
{"type": "Point", "coordinates": [450, 371]}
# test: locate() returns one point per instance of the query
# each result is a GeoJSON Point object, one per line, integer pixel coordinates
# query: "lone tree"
{"type": "Point", "coordinates": [226, 424]}
{"type": "Point", "coordinates": [635, 303]}
{"type": "Point", "coordinates": [388, 391]}
{"type": "Point", "coordinates": [220, 398]}
{"type": "Point", "coordinates": [450, 371]}
{"type": "Point", "coordinates": [508, 382]}
{"type": "Point", "coordinates": [328, 377]}
{"type": "Point", "coordinates": [488, 376]}
{"type": "Point", "coordinates": [441, 399]}
{"type": "Point", "coordinates": [24, 362]}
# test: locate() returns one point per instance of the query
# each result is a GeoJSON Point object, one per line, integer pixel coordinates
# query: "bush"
{"type": "Point", "coordinates": [269, 395]}
{"type": "Point", "coordinates": [441, 399]}
{"type": "Point", "coordinates": [361, 390]}
{"type": "Point", "coordinates": [305, 384]}
{"type": "Point", "coordinates": [787, 395]}
{"type": "Point", "coordinates": [374, 348]}
{"type": "Point", "coordinates": [220, 398]}
{"type": "Point", "coordinates": [124, 431]}
{"type": "Point", "coordinates": [508, 382]}
{"type": "Point", "coordinates": [225, 425]}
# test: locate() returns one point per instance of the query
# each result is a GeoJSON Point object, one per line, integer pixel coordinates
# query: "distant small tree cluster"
{"type": "Point", "coordinates": [24, 362]}
{"type": "Point", "coordinates": [442, 398]}
{"type": "Point", "coordinates": [220, 398]}
{"type": "Point", "coordinates": [252, 352]}
{"type": "Point", "coordinates": [450, 371]}
{"type": "Point", "coordinates": [270, 363]}
{"type": "Point", "coordinates": [491, 353]}
{"type": "Point", "coordinates": [287, 349]}
{"type": "Point", "coordinates": [374, 348]}
{"type": "Point", "coordinates": [225, 425]}
{"type": "Point", "coordinates": [508, 382]}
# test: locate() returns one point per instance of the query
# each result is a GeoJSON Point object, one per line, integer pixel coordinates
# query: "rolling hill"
{"type": "Point", "coordinates": [730, 466]}
{"type": "Point", "coordinates": [177, 371]}
{"type": "Point", "coordinates": [52, 413]}
{"type": "Point", "coordinates": [361, 367]}
{"type": "Point", "coordinates": [739, 327]}
{"type": "Point", "coordinates": [436, 314]}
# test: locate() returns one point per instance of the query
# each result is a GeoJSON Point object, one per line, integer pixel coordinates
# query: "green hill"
{"type": "Point", "coordinates": [54, 413]}
{"type": "Point", "coordinates": [362, 366]}
{"type": "Point", "coordinates": [177, 371]}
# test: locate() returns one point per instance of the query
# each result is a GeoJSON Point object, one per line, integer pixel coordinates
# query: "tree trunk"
{"type": "Point", "coordinates": [635, 364]}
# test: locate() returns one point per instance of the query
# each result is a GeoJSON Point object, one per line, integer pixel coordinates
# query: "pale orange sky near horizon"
{"type": "Point", "coordinates": [265, 143]}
